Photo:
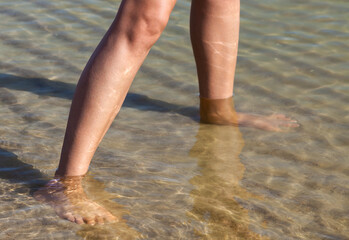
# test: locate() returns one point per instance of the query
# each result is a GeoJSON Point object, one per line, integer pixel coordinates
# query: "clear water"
{"type": "Point", "coordinates": [162, 173]}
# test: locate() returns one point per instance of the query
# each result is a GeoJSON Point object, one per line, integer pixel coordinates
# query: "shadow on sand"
{"type": "Point", "coordinates": [16, 171]}
{"type": "Point", "coordinates": [27, 178]}
{"type": "Point", "coordinates": [52, 88]}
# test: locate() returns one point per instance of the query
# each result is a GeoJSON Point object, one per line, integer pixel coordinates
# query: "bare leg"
{"type": "Point", "coordinates": [214, 28]}
{"type": "Point", "coordinates": [107, 77]}
{"type": "Point", "coordinates": [102, 88]}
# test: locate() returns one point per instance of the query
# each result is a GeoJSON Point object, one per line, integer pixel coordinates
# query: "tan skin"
{"type": "Point", "coordinates": [102, 89]}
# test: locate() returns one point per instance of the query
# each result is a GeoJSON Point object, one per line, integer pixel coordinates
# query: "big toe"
{"type": "Point", "coordinates": [68, 216]}
{"type": "Point", "coordinates": [90, 220]}
{"type": "Point", "coordinates": [110, 218]}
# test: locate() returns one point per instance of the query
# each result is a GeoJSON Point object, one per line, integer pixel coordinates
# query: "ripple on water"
{"type": "Point", "coordinates": [161, 173]}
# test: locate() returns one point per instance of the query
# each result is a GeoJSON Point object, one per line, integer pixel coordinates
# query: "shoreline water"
{"type": "Point", "coordinates": [171, 179]}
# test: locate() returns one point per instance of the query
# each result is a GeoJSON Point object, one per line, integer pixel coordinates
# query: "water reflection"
{"type": "Point", "coordinates": [217, 187]}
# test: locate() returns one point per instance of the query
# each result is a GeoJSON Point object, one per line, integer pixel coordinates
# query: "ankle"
{"type": "Point", "coordinates": [218, 111]}
{"type": "Point", "coordinates": [69, 183]}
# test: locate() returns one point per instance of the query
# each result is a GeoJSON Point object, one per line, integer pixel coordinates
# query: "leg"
{"type": "Point", "coordinates": [214, 28]}
{"type": "Point", "coordinates": [107, 77]}
{"type": "Point", "coordinates": [102, 89]}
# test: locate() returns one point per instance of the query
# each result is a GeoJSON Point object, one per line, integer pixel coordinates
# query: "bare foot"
{"type": "Point", "coordinates": [274, 122]}
{"type": "Point", "coordinates": [222, 112]}
{"type": "Point", "coordinates": [70, 202]}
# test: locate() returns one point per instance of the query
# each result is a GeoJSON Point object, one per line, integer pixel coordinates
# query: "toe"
{"type": "Point", "coordinates": [68, 216]}
{"type": "Point", "coordinates": [284, 118]}
{"type": "Point", "coordinates": [294, 125]}
{"type": "Point", "coordinates": [273, 128]}
{"type": "Point", "coordinates": [290, 124]}
{"type": "Point", "coordinates": [79, 220]}
{"type": "Point", "coordinates": [99, 220]}
{"type": "Point", "coordinates": [110, 218]}
{"type": "Point", "coordinates": [279, 116]}
{"type": "Point", "coordinates": [89, 221]}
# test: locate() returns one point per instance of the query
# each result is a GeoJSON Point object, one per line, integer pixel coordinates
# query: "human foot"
{"type": "Point", "coordinates": [222, 112]}
{"type": "Point", "coordinates": [274, 122]}
{"type": "Point", "coordinates": [67, 197]}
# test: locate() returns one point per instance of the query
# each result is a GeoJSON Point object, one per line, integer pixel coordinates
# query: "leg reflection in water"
{"type": "Point", "coordinates": [217, 149]}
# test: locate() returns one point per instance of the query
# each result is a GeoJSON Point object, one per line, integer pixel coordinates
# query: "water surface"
{"type": "Point", "coordinates": [162, 173]}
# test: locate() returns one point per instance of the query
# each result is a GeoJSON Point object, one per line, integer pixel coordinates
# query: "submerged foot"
{"type": "Point", "coordinates": [222, 112]}
{"type": "Point", "coordinates": [274, 122]}
{"type": "Point", "coordinates": [70, 202]}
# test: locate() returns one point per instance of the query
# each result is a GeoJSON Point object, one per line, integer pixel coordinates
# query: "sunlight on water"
{"type": "Point", "coordinates": [164, 175]}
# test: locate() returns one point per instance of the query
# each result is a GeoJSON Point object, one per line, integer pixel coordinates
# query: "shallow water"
{"type": "Point", "coordinates": [163, 174]}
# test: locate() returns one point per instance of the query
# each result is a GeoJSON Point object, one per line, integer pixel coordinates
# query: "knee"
{"type": "Point", "coordinates": [150, 25]}
{"type": "Point", "coordinates": [146, 24]}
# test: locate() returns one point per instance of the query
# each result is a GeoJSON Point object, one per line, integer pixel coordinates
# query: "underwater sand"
{"type": "Point", "coordinates": [163, 174]}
